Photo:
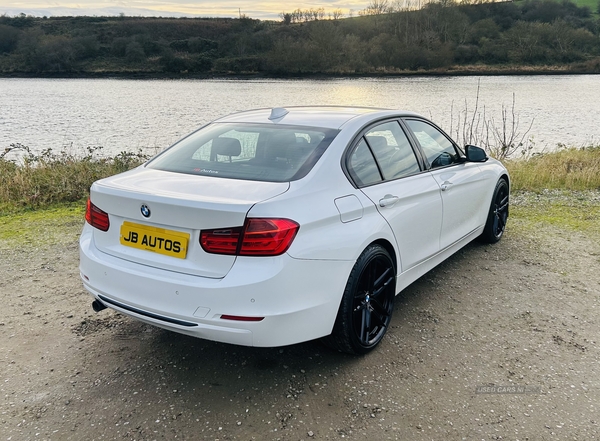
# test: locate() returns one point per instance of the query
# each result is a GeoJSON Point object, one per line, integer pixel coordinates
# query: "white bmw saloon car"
{"type": "Point", "coordinates": [276, 226]}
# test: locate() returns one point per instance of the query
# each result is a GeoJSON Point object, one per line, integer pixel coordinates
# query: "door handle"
{"type": "Point", "coordinates": [445, 185]}
{"type": "Point", "coordinates": [388, 200]}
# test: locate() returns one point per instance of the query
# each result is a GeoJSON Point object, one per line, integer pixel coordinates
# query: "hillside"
{"type": "Point", "coordinates": [531, 35]}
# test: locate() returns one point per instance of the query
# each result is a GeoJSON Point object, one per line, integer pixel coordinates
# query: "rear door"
{"type": "Point", "coordinates": [386, 169]}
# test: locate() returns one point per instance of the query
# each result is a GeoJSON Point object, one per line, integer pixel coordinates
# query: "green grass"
{"type": "Point", "coordinates": [40, 228]}
{"type": "Point", "coordinates": [569, 169]}
{"type": "Point", "coordinates": [42, 201]}
{"type": "Point", "coordinates": [566, 211]}
{"type": "Point", "coordinates": [592, 4]}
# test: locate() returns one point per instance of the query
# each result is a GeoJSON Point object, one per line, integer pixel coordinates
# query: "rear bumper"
{"type": "Point", "coordinates": [298, 299]}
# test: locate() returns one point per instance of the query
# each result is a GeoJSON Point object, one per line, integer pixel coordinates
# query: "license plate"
{"type": "Point", "coordinates": [158, 240]}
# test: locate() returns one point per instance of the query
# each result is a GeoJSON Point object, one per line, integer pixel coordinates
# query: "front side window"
{"type": "Point", "coordinates": [258, 152]}
{"type": "Point", "coordinates": [438, 149]}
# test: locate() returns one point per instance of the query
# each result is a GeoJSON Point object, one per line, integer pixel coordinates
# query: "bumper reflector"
{"type": "Point", "coordinates": [241, 318]}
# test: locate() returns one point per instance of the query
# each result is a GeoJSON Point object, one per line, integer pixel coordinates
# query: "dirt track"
{"type": "Point", "coordinates": [522, 313]}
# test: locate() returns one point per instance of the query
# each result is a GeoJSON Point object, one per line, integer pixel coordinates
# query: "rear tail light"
{"type": "Point", "coordinates": [222, 241]}
{"type": "Point", "coordinates": [96, 217]}
{"type": "Point", "coordinates": [258, 237]}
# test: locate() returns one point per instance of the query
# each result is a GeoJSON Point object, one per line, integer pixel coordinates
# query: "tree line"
{"type": "Point", "coordinates": [442, 35]}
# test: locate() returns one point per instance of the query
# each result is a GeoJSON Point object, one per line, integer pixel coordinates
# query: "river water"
{"type": "Point", "coordinates": [127, 115]}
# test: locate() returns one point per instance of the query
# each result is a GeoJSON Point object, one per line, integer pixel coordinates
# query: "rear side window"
{"type": "Point", "coordinates": [392, 150]}
{"type": "Point", "coordinates": [362, 166]}
{"type": "Point", "coordinates": [257, 152]}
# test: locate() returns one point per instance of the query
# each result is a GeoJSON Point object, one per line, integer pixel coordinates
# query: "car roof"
{"type": "Point", "coordinates": [332, 117]}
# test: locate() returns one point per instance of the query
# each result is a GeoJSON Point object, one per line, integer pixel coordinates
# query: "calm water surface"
{"type": "Point", "coordinates": [126, 115]}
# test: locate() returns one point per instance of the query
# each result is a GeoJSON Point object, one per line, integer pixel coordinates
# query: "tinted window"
{"type": "Point", "coordinates": [438, 149]}
{"type": "Point", "coordinates": [362, 166]}
{"type": "Point", "coordinates": [247, 151]}
{"type": "Point", "coordinates": [392, 150]}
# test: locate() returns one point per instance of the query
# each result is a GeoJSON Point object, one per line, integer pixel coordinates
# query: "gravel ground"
{"type": "Point", "coordinates": [498, 343]}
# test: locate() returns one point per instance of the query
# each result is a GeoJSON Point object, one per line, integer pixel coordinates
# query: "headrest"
{"type": "Point", "coordinates": [226, 147]}
{"type": "Point", "coordinates": [377, 142]}
{"type": "Point", "coordinates": [280, 144]}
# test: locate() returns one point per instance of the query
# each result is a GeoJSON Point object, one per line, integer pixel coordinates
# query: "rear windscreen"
{"type": "Point", "coordinates": [254, 152]}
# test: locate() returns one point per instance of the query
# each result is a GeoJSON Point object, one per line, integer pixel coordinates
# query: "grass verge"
{"type": "Point", "coordinates": [29, 181]}
{"type": "Point", "coordinates": [38, 181]}
{"type": "Point", "coordinates": [42, 200]}
{"type": "Point", "coordinates": [560, 210]}
{"type": "Point", "coordinates": [530, 213]}
{"type": "Point", "coordinates": [57, 225]}
{"type": "Point", "coordinates": [568, 169]}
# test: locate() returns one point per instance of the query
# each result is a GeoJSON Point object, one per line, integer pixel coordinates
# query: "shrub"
{"type": "Point", "coordinates": [31, 180]}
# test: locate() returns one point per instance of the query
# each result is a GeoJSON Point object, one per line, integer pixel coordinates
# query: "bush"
{"type": "Point", "coordinates": [33, 181]}
{"type": "Point", "coordinates": [9, 37]}
{"type": "Point", "coordinates": [135, 52]}
{"type": "Point", "coordinates": [173, 63]}
{"type": "Point", "coordinates": [239, 64]}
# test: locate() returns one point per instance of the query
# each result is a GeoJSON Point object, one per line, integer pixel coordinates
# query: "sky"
{"type": "Point", "coordinates": [261, 9]}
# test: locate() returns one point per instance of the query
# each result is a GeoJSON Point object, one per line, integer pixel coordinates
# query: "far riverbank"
{"type": "Point", "coordinates": [474, 70]}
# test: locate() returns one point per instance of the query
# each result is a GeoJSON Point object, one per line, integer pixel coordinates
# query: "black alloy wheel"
{"type": "Point", "coordinates": [367, 305]}
{"type": "Point", "coordinates": [498, 214]}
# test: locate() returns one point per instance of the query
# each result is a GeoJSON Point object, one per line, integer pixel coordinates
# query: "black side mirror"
{"type": "Point", "coordinates": [475, 154]}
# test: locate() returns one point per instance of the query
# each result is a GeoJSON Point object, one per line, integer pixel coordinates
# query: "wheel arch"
{"type": "Point", "coordinates": [389, 248]}
{"type": "Point", "coordinates": [353, 331]}
{"type": "Point", "coordinates": [507, 179]}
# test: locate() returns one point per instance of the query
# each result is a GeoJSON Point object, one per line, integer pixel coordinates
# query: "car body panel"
{"type": "Point", "coordinates": [464, 190]}
{"type": "Point", "coordinates": [177, 202]}
{"type": "Point", "coordinates": [418, 198]}
{"type": "Point", "coordinates": [333, 117]}
{"type": "Point", "coordinates": [295, 296]}
{"type": "Point", "coordinates": [275, 288]}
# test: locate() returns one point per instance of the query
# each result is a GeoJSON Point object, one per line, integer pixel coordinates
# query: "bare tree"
{"type": "Point", "coordinates": [501, 139]}
{"type": "Point", "coordinates": [337, 14]}
{"type": "Point", "coordinates": [297, 16]}
{"type": "Point", "coordinates": [508, 138]}
{"type": "Point", "coordinates": [286, 17]}
{"type": "Point", "coordinates": [377, 7]}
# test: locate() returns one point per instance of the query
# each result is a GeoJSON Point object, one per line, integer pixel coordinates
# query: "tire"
{"type": "Point", "coordinates": [367, 304]}
{"type": "Point", "coordinates": [498, 214]}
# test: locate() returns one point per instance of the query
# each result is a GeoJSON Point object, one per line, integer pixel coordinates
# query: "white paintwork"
{"type": "Point", "coordinates": [349, 207]}
{"type": "Point", "coordinates": [418, 198]}
{"type": "Point", "coordinates": [423, 218]}
{"type": "Point", "coordinates": [178, 202]}
{"type": "Point", "coordinates": [464, 192]}
{"type": "Point", "coordinates": [276, 288]}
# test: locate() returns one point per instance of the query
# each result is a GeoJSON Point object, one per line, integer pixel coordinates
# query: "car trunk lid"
{"type": "Point", "coordinates": [156, 217]}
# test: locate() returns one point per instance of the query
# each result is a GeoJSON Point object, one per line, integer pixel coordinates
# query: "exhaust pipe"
{"type": "Point", "coordinates": [98, 306]}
